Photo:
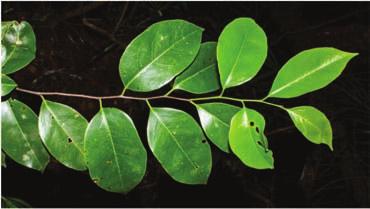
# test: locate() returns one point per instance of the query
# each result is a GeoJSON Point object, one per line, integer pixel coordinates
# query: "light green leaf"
{"type": "Point", "coordinates": [201, 76]}
{"type": "Point", "coordinates": [158, 54]}
{"type": "Point", "coordinates": [7, 85]}
{"type": "Point", "coordinates": [18, 46]}
{"type": "Point", "coordinates": [3, 162]}
{"type": "Point", "coordinates": [19, 135]}
{"type": "Point", "coordinates": [116, 158]}
{"type": "Point", "coordinates": [313, 124]}
{"type": "Point", "coordinates": [178, 143]}
{"type": "Point", "coordinates": [248, 141]}
{"type": "Point", "coordinates": [215, 119]}
{"type": "Point", "coordinates": [62, 130]}
{"type": "Point", "coordinates": [308, 71]}
{"type": "Point", "coordinates": [241, 51]}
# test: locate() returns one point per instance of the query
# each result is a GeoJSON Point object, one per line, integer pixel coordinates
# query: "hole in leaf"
{"type": "Point", "coordinates": [251, 123]}
{"type": "Point", "coordinates": [260, 143]}
{"type": "Point", "coordinates": [258, 131]}
{"type": "Point", "coordinates": [204, 141]}
{"type": "Point", "coordinates": [69, 140]}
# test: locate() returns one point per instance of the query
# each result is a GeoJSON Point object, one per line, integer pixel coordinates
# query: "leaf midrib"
{"type": "Point", "coordinates": [105, 121]}
{"type": "Point", "coordinates": [24, 136]}
{"type": "Point", "coordinates": [315, 70]}
{"type": "Point", "coordinates": [214, 116]}
{"type": "Point", "coordinates": [309, 122]}
{"type": "Point", "coordinates": [194, 164]}
{"type": "Point", "coordinates": [65, 131]}
{"type": "Point", "coordinates": [194, 75]}
{"type": "Point", "coordinates": [159, 56]}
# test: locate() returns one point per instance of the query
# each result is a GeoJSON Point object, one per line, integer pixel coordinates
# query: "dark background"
{"type": "Point", "coordinates": [78, 49]}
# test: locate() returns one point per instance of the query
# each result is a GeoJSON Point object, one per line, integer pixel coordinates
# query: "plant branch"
{"type": "Point", "coordinates": [99, 98]}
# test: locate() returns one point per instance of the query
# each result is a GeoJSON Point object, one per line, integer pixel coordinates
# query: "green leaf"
{"type": "Point", "coordinates": [3, 163]}
{"type": "Point", "coordinates": [116, 158]}
{"type": "Point", "coordinates": [7, 85]}
{"type": "Point", "coordinates": [201, 76]}
{"type": "Point", "coordinates": [62, 130]}
{"type": "Point", "coordinates": [215, 119]}
{"type": "Point", "coordinates": [248, 141]}
{"type": "Point", "coordinates": [241, 51]}
{"type": "Point", "coordinates": [308, 71]}
{"type": "Point", "coordinates": [158, 54]}
{"type": "Point", "coordinates": [19, 135]}
{"type": "Point", "coordinates": [11, 202]}
{"type": "Point", "coordinates": [18, 46]}
{"type": "Point", "coordinates": [178, 143]}
{"type": "Point", "coordinates": [313, 124]}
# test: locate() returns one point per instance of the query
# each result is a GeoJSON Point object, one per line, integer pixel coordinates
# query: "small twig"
{"type": "Point", "coordinates": [101, 31]}
{"type": "Point", "coordinates": [279, 130]}
{"type": "Point", "coordinates": [120, 20]}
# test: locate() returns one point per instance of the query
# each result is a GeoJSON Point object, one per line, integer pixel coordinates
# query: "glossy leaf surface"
{"type": "Point", "coordinates": [313, 124]}
{"type": "Point", "coordinates": [18, 46]}
{"type": "Point", "coordinates": [11, 202]}
{"type": "Point", "coordinates": [215, 119]}
{"type": "Point", "coordinates": [7, 85]}
{"type": "Point", "coordinates": [201, 76]}
{"type": "Point", "coordinates": [20, 138]}
{"type": "Point", "coordinates": [308, 71]}
{"type": "Point", "coordinates": [158, 54]}
{"type": "Point", "coordinates": [116, 158]}
{"type": "Point", "coordinates": [178, 143]}
{"type": "Point", "coordinates": [241, 51]}
{"type": "Point", "coordinates": [248, 141]}
{"type": "Point", "coordinates": [62, 130]}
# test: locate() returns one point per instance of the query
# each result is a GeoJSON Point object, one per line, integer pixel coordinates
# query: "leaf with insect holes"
{"type": "Point", "coordinates": [20, 138]}
{"type": "Point", "coordinates": [241, 51]}
{"type": "Point", "coordinates": [62, 130]}
{"type": "Point", "coordinates": [158, 54]}
{"type": "Point", "coordinates": [18, 46]}
{"type": "Point", "coordinates": [115, 156]}
{"type": "Point", "coordinates": [308, 71]}
{"type": "Point", "coordinates": [248, 141]}
{"type": "Point", "coordinates": [201, 76]}
{"type": "Point", "coordinates": [178, 143]}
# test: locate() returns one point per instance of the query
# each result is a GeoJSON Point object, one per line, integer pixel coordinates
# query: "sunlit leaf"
{"type": "Point", "coordinates": [158, 54]}
{"type": "Point", "coordinates": [3, 162]}
{"type": "Point", "coordinates": [18, 46]}
{"type": "Point", "coordinates": [62, 130]}
{"type": "Point", "coordinates": [178, 143]}
{"type": "Point", "coordinates": [20, 138]}
{"type": "Point", "coordinates": [241, 51]}
{"type": "Point", "coordinates": [248, 141]}
{"type": "Point", "coordinates": [215, 119]}
{"type": "Point", "coordinates": [201, 76]}
{"type": "Point", "coordinates": [308, 71]}
{"type": "Point", "coordinates": [313, 124]}
{"type": "Point", "coordinates": [115, 156]}
{"type": "Point", "coordinates": [11, 202]}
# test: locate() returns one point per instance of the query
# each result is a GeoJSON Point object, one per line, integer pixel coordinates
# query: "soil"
{"type": "Point", "coordinates": [78, 49]}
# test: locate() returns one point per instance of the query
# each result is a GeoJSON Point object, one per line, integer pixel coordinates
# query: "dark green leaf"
{"type": "Point", "coordinates": [241, 51]}
{"type": "Point", "coordinates": [7, 85]}
{"type": "Point", "coordinates": [313, 124]}
{"type": "Point", "coordinates": [158, 54]}
{"type": "Point", "coordinates": [19, 135]}
{"type": "Point", "coordinates": [215, 119]}
{"type": "Point", "coordinates": [308, 71]}
{"type": "Point", "coordinates": [18, 46]}
{"type": "Point", "coordinates": [179, 145]}
{"type": "Point", "coordinates": [116, 158]}
{"type": "Point", "coordinates": [62, 130]}
{"type": "Point", "coordinates": [248, 141]}
{"type": "Point", "coordinates": [201, 76]}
